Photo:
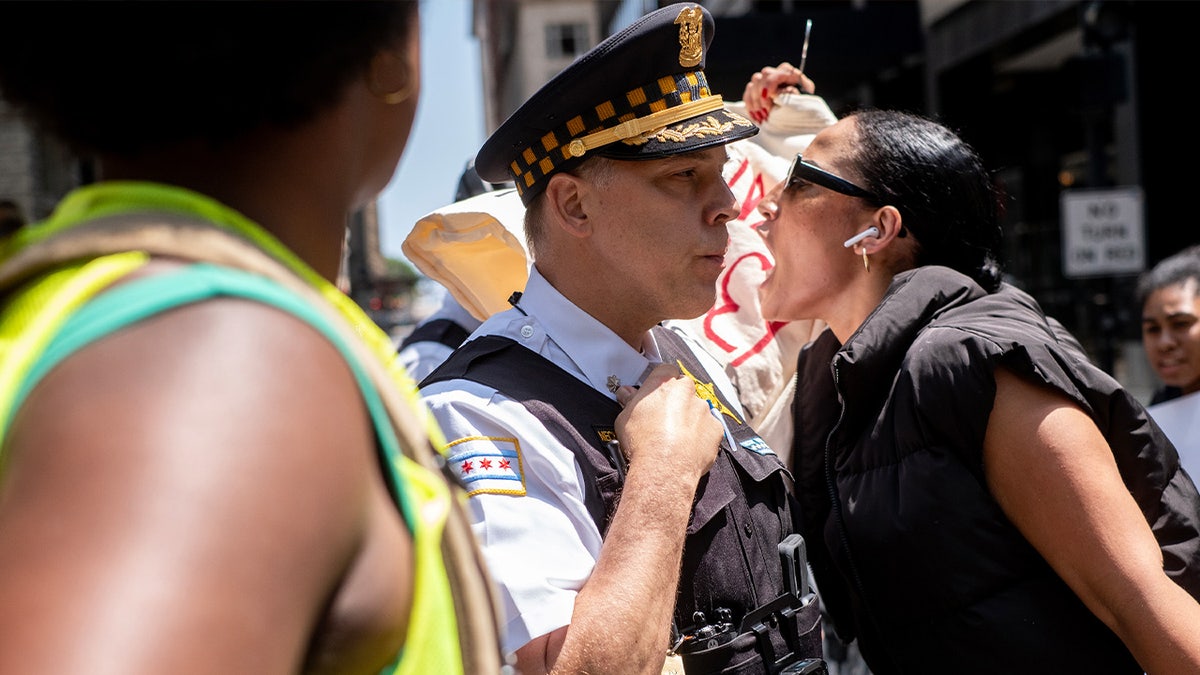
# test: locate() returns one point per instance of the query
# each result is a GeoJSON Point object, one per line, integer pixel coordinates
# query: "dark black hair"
{"type": "Point", "coordinates": [1174, 269]}
{"type": "Point", "coordinates": [940, 186]}
{"type": "Point", "coordinates": [120, 77]}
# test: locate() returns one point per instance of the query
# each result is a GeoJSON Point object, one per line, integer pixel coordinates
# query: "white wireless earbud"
{"type": "Point", "coordinates": [869, 232]}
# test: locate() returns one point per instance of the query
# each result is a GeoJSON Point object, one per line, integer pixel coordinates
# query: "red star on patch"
{"type": "Point", "coordinates": [467, 467]}
{"type": "Point", "coordinates": [504, 464]}
{"type": "Point", "coordinates": [485, 463]}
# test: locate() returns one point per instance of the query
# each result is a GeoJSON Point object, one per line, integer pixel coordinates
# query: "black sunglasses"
{"type": "Point", "coordinates": [801, 172]}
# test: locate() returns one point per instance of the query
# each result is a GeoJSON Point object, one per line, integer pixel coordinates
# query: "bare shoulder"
{"type": "Point", "coordinates": [247, 383]}
{"type": "Point", "coordinates": [1020, 398]}
{"type": "Point", "coordinates": [213, 464]}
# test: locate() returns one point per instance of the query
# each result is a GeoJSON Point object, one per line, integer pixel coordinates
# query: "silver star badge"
{"type": "Point", "coordinates": [614, 383]}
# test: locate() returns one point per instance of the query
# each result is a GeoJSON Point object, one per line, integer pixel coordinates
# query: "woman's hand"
{"type": "Point", "coordinates": [760, 92]}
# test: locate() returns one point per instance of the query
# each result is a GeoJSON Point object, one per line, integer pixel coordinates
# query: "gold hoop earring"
{"type": "Point", "coordinates": [866, 261]}
{"type": "Point", "coordinates": [400, 95]}
{"type": "Point", "coordinates": [397, 96]}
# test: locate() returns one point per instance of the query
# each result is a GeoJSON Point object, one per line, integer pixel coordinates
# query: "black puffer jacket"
{"type": "Point", "coordinates": [910, 551]}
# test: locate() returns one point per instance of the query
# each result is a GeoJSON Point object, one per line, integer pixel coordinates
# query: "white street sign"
{"type": "Point", "coordinates": [1103, 232]}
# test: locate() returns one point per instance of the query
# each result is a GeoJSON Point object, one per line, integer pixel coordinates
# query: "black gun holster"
{"type": "Point", "coordinates": [771, 638]}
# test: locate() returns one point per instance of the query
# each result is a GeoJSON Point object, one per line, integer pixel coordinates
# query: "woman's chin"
{"type": "Point", "coordinates": [774, 307]}
{"type": "Point", "coordinates": [768, 304]}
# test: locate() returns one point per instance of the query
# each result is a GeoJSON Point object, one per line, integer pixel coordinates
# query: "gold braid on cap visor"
{"type": "Point", "coordinates": [637, 117]}
{"type": "Point", "coordinates": [634, 131]}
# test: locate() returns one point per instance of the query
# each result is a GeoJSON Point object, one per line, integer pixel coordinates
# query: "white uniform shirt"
{"type": "Point", "coordinates": [527, 499]}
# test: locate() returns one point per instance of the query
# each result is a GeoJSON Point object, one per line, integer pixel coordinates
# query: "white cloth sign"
{"type": "Point", "coordinates": [475, 248]}
{"type": "Point", "coordinates": [1179, 419]}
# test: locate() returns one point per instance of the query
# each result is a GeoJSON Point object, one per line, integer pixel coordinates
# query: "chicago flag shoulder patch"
{"type": "Point", "coordinates": [488, 465]}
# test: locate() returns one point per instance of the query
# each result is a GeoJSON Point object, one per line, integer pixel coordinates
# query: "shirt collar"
{"type": "Point", "coordinates": [593, 347]}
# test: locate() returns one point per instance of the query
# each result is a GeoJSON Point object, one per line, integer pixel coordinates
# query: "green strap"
{"type": "Point", "coordinates": [139, 299]}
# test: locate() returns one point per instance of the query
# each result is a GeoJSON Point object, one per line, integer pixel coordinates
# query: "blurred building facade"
{"type": "Point", "coordinates": [1055, 94]}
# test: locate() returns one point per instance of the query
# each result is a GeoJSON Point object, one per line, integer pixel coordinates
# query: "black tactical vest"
{"type": "Point", "coordinates": [443, 331]}
{"type": "Point", "coordinates": [742, 511]}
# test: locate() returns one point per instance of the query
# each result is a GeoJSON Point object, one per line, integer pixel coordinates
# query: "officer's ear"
{"type": "Point", "coordinates": [564, 204]}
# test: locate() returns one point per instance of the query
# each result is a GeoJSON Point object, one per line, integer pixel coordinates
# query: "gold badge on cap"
{"type": "Point", "coordinates": [691, 36]}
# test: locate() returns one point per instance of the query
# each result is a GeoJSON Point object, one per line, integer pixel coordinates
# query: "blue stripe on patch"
{"type": "Point", "coordinates": [757, 445]}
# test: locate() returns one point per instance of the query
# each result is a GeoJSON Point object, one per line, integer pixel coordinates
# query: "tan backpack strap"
{"type": "Point", "coordinates": [156, 234]}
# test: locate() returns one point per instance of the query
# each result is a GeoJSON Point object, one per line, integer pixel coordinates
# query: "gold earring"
{"type": "Point", "coordinates": [866, 262]}
{"type": "Point", "coordinates": [399, 95]}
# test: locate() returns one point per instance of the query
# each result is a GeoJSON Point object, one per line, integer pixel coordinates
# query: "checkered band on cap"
{"type": "Point", "coordinates": [546, 156]}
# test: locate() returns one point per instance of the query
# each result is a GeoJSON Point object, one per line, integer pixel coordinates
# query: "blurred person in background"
{"type": "Point", "coordinates": [434, 338]}
{"type": "Point", "coordinates": [1169, 294]}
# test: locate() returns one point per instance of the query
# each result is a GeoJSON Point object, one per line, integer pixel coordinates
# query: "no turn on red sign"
{"type": "Point", "coordinates": [1103, 232]}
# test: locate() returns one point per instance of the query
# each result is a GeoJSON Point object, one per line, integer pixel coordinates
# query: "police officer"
{"type": "Point", "coordinates": [625, 508]}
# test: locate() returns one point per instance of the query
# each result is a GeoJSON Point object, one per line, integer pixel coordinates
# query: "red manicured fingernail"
{"type": "Point", "coordinates": [764, 92]}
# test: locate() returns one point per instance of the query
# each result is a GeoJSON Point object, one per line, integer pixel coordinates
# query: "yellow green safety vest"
{"type": "Point", "coordinates": [100, 233]}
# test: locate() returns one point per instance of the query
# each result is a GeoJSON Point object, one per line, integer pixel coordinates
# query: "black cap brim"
{"type": "Point", "coordinates": [640, 94]}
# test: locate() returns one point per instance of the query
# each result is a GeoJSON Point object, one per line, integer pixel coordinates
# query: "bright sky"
{"type": "Point", "coordinates": [449, 127]}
